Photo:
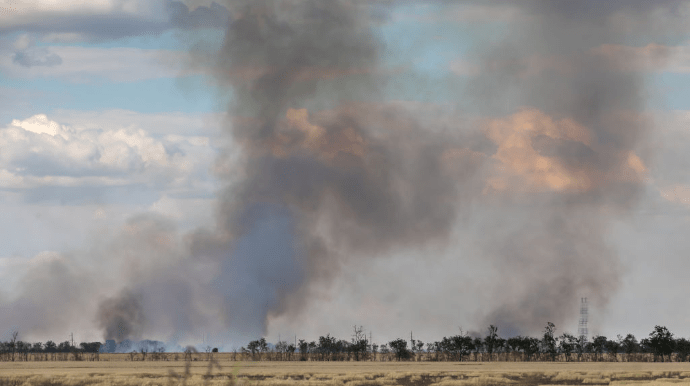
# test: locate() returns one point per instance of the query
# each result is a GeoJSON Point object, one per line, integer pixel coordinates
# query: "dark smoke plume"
{"type": "Point", "coordinates": [121, 317]}
{"type": "Point", "coordinates": [323, 172]}
{"type": "Point", "coordinates": [352, 188]}
{"type": "Point", "coordinates": [349, 184]}
{"type": "Point", "coordinates": [554, 249]}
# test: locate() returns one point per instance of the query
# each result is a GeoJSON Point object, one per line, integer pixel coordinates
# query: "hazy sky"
{"type": "Point", "coordinates": [188, 170]}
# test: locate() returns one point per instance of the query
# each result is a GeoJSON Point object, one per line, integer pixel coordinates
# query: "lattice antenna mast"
{"type": "Point", "coordinates": [582, 326]}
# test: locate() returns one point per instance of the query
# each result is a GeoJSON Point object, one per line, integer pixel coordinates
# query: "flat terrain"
{"type": "Point", "coordinates": [226, 372]}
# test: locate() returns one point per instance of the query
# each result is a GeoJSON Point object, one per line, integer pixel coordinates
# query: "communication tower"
{"type": "Point", "coordinates": [582, 325]}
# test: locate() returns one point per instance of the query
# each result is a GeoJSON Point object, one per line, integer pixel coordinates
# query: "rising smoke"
{"type": "Point", "coordinates": [575, 155]}
{"type": "Point", "coordinates": [121, 317]}
{"type": "Point", "coordinates": [330, 173]}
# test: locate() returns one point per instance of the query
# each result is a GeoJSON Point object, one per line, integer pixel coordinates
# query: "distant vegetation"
{"type": "Point", "coordinates": [660, 346]}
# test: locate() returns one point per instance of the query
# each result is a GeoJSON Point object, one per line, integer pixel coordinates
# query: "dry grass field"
{"type": "Point", "coordinates": [117, 371]}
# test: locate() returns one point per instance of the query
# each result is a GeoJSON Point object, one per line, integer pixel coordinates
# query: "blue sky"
{"type": "Point", "coordinates": [101, 127]}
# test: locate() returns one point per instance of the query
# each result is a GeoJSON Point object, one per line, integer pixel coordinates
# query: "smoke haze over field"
{"type": "Point", "coordinates": [324, 167]}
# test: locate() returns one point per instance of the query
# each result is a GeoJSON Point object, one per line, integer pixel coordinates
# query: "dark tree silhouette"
{"type": "Point", "coordinates": [359, 343]}
{"type": "Point", "coordinates": [13, 343]}
{"type": "Point", "coordinates": [50, 347]}
{"type": "Point", "coordinates": [90, 347]}
{"type": "Point", "coordinates": [399, 347]}
{"type": "Point", "coordinates": [303, 349]}
{"type": "Point", "coordinates": [491, 340]}
{"type": "Point", "coordinates": [629, 345]}
{"type": "Point", "coordinates": [598, 345]}
{"type": "Point", "coordinates": [683, 349]}
{"type": "Point", "coordinates": [613, 346]}
{"type": "Point", "coordinates": [661, 342]}
{"type": "Point", "coordinates": [567, 343]}
{"type": "Point", "coordinates": [514, 344]}
{"type": "Point", "coordinates": [549, 340]}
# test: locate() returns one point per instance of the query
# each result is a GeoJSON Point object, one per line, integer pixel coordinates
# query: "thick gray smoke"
{"type": "Point", "coordinates": [121, 317]}
{"type": "Point", "coordinates": [328, 172]}
{"type": "Point", "coordinates": [353, 188]}
{"type": "Point", "coordinates": [347, 183]}
{"type": "Point", "coordinates": [553, 249]}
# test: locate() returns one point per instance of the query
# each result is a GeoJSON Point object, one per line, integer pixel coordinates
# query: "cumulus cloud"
{"type": "Point", "coordinates": [39, 152]}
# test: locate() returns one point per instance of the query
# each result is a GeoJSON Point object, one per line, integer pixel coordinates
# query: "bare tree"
{"type": "Point", "coordinates": [359, 343]}
{"type": "Point", "coordinates": [13, 343]}
{"type": "Point", "coordinates": [549, 340]}
{"type": "Point", "coordinates": [491, 340]}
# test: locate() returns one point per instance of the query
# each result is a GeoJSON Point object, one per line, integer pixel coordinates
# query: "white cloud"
{"type": "Point", "coordinates": [18, 13]}
{"type": "Point", "coordinates": [40, 124]}
{"type": "Point", "coordinates": [39, 152]}
{"type": "Point", "coordinates": [81, 64]}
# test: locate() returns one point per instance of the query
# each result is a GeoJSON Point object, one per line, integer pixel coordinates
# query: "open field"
{"type": "Point", "coordinates": [225, 372]}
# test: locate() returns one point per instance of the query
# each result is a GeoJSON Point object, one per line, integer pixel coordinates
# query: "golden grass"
{"type": "Point", "coordinates": [225, 372]}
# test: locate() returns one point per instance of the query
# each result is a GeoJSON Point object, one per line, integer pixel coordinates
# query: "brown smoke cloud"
{"type": "Point", "coordinates": [566, 166]}
{"type": "Point", "coordinates": [328, 173]}
{"type": "Point", "coordinates": [561, 169]}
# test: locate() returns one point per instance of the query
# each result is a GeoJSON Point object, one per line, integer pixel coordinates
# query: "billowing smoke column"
{"type": "Point", "coordinates": [315, 188]}
{"type": "Point", "coordinates": [567, 162]}
{"type": "Point", "coordinates": [347, 188]}
{"type": "Point", "coordinates": [355, 180]}
{"type": "Point", "coordinates": [328, 172]}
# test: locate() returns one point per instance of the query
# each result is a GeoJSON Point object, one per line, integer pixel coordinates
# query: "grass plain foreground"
{"type": "Point", "coordinates": [223, 371]}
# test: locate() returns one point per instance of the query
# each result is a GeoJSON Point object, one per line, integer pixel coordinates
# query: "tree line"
{"type": "Point", "coordinates": [661, 345]}
{"type": "Point", "coordinates": [15, 349]}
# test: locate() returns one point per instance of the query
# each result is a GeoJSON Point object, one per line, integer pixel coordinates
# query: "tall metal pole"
{"type": "Point", "coordinates": [582, 325]}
